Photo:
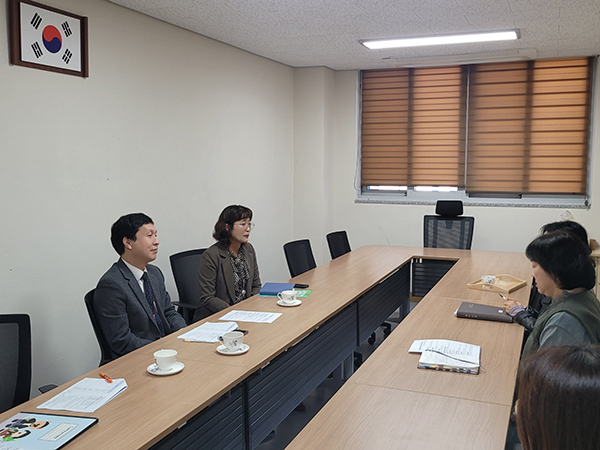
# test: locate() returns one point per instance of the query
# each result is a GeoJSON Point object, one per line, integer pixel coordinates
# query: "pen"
{"type": "Point", "coordinates": [502, 296]}
{"type": "Point", "coordinates": [106, 377]}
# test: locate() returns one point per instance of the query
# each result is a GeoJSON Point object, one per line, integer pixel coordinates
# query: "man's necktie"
{"type": "Point", "coordinates": [150, 300]}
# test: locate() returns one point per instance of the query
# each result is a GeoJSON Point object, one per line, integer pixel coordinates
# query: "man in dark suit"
{"type": "Point", "coordinates": [132, 306]}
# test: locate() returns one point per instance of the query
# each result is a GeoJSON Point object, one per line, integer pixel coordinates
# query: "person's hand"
{"type": "Point", "coordinates": [509, 304]}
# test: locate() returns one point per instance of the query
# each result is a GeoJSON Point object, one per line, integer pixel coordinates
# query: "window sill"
{"type": "Point", "coordinates": [430, 198]}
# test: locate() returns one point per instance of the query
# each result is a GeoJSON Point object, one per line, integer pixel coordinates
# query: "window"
{"type": "Point", "coordinates": [509, 129]}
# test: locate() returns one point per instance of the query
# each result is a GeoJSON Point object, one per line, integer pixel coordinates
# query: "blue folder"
{"type": "Point", "coordinates": [272, 289]}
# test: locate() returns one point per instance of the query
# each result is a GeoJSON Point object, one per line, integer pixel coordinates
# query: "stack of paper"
{"type": "Point", "coordinates": [208, 332]}
{"type": "Point", "coordinates": [251, 316]}
{"type": "Point", "coordinates": [86, 396]}
{"type": "Point", "coordinates": [451, 356]}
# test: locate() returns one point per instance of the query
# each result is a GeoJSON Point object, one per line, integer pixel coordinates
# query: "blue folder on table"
{"type": "Point", "coordinates": [272, 289]}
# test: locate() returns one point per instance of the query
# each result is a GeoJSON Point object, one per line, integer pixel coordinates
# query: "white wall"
{"type": "Point", "coordinates": [313, 146]}
{"type": "Point", "coordinates": [169, 123]}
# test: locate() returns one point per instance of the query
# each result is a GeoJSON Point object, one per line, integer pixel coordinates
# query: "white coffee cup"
{"type": "Point", "coordinates": [287, 296]}
{"type": "Point", "coordinates": [488, 279]}
{"type": "Point", "coordinates": [233, 340]}
{"type": "Point", "coordinates": [165, 359]}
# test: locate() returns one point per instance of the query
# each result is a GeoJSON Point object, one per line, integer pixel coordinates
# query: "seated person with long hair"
{"type": "Point", "coordinates": [559, 399]}
{"type": "Point", "coordinates": [228, 271]}
{"type": "Point", "coordinates": [563, 271]}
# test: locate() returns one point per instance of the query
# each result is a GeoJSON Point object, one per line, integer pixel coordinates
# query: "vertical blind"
{"type": "Point", "coordinates": [527, 127]}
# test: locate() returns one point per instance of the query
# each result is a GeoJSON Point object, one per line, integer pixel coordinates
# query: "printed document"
{"type": "Point", "coordinates": [251, 316]}
{"type": "Point", "coordinates": [87, 395]}
{"type": "Point", "coordinates": [208, 332]}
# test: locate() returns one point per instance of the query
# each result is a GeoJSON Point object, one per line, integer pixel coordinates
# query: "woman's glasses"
{"type": "Point", "coordinates": [246, 225]}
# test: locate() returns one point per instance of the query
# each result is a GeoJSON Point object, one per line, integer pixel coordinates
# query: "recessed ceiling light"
{"type": "Point", "coordinates": [441, 40]}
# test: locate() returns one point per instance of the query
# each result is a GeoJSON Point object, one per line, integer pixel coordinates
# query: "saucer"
{"type": "Point", "coordinates": [225, 351]}
{"type": "Point", "coordinates": [294, 303]}
{"type": "Point", "coordinates": [177, 367]}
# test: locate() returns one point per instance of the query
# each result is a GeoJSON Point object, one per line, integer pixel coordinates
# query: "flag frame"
{"type": "Point", "coordinates": [16, 35]}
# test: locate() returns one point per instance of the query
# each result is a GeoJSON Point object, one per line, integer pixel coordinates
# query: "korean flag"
{"type": "Point", "coordinates": [50, 38]}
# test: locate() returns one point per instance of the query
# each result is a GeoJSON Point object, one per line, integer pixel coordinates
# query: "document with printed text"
{"type": "Point", "coordinates": [87, 395]}
{"type": "Point", "coordinates": [251, 316]}
{"type": "Point", "coordinates": [208, 332]}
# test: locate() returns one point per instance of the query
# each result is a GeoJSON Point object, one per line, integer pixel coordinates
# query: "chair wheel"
{"type": "Point", "coordinates": [387, 331]}
{"type": "Point", "coordinates": [371, 340]}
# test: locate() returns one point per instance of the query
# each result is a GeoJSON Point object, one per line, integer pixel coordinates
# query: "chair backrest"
{"type": "Point", "coordinates": [15, 354]}
{"type": "Point", "coordinates": [299, 257]}
{"type": "Point", "coordinates": [185, 272]}
{"type": "Point", "coordinates": [338, 244]}
{"type": "Point", "coordinates": [106, 354]}
{"type": "Point", "coordinates": [448, 232]}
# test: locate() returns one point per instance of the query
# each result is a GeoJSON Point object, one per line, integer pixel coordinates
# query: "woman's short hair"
{"type": "Point", "coordinates": [570, 226]}
{"type": "Point", "coordinates": [564, 258]}
{"type": "Point", "coordinates": [229, 216]}
{"type": "Point", "coordinates": [559, 399]}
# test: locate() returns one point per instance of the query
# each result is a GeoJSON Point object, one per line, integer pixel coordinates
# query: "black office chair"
{"type": "Point", "coordinates": [339, 245]}
{"type": "Point", "coordinates": [106, 355]}
{"type": "Point", "coordinates": [447, 229]}
{"type": "Point", "coordinates": [299, 257]}
{"type": "Point", "coordinates": [15, 354]}
{"type": "Point", "coordinates": [185, 271]}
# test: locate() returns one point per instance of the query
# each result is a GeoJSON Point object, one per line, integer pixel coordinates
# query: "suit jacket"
{"type": "Point", "coordinates": [123, 313]}
{"type": "Point", "coordinates": [217, 284]}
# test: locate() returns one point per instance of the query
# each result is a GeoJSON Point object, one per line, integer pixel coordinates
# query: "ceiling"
{"type": "Point", "coordinates": [308, 33]}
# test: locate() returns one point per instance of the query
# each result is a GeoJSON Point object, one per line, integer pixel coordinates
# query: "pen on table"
{"type": "Point", "coordinates": [502, 296]}
{"type": "Point", "coordinates": [106, 377]}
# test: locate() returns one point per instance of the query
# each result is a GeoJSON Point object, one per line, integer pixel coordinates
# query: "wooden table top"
{"type": "Point", "coordinates": [155, 406]}
{"type": "Point", "coordinates": [371, 417]}
{"type": "Point", "coordinates": [389, 403]}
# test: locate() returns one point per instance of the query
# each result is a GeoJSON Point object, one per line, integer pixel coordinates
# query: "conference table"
{"type": "Point", "coordinates": [389, 403]}
{"type": "Point", "coordinates": [224, 402]}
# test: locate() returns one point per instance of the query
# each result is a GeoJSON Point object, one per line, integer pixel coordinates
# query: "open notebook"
{"type": "Point", "coordinates": [450, 356]}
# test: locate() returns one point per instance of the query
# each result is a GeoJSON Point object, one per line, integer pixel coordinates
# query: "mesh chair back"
{"type": "Point", "coordinates": [299, 257]}
{"type": "Point", "coordinates": [185, 271]}
{"type": "Point", "coordinates": [106, 354]}
{"type": "Point", "coordinates": [448, 232]}
{"type": "Point", "coordinates": [338, 244]}
{"type": "Point", "coordinates": [15, 354]}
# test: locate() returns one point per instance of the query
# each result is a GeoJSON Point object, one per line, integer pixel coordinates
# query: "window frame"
{"type": "Point", "coordinates": [410, 196]}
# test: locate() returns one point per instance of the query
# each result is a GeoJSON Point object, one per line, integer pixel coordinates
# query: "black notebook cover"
{"type": "Point", "coordinates": [482, 312]}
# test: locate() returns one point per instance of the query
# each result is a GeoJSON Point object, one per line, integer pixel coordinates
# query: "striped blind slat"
{"type": "Point", "coordinates": [528, 126]}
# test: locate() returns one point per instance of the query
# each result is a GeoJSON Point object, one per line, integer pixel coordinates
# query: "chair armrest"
{"type": "Point", "coordinates": [186, 305]}
{"type": "Point", "coordinates": [46, 388]}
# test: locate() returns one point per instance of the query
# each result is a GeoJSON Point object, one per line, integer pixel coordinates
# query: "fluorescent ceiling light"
{"type": "Point", "coordinates": [441, 40]}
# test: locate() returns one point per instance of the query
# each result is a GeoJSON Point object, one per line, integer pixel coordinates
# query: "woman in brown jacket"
{"type": "Point", "coordinates": [228, 271]}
